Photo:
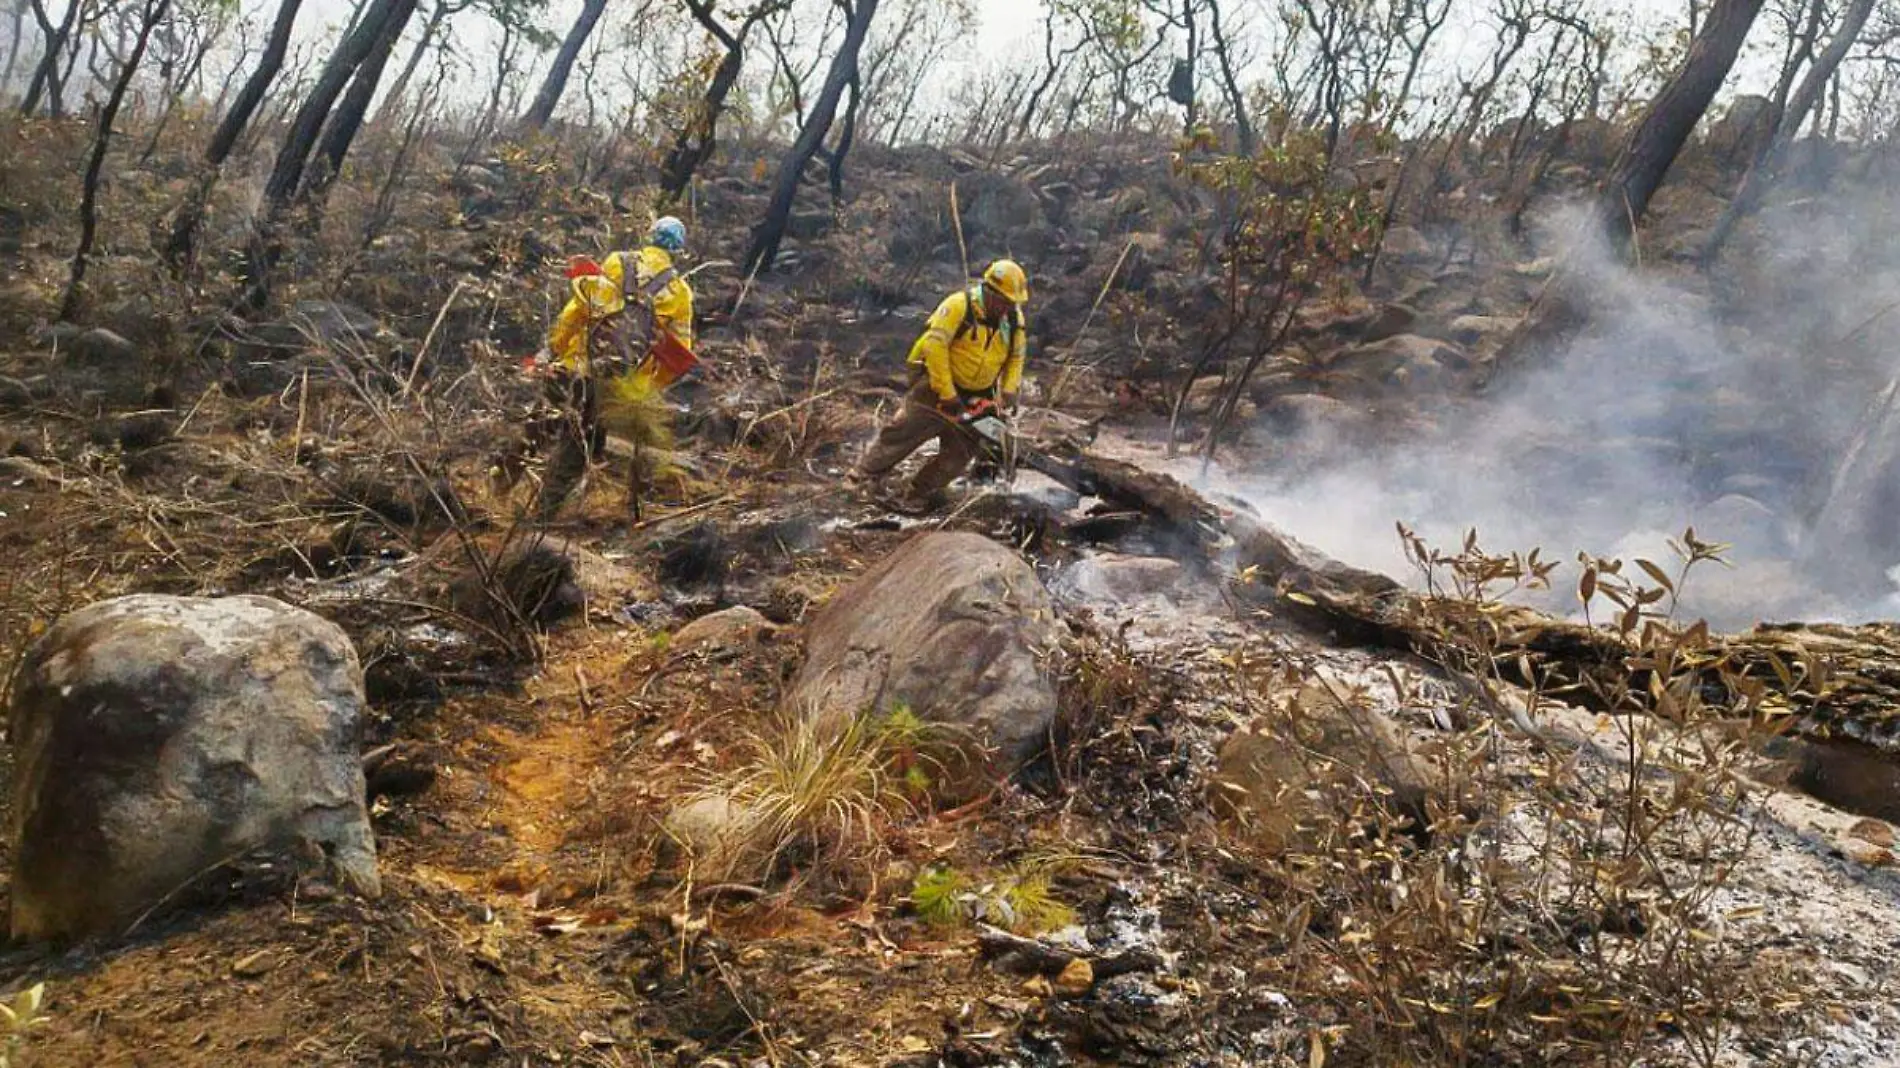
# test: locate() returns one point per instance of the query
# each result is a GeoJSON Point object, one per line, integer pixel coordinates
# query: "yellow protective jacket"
{"type": "Point", "coordinates": [963, 353]}
{"type": "Point", "coordinates": [598, 297]}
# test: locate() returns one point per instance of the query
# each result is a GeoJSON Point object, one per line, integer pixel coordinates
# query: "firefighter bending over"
{"type": "Point", "coordinates": [970, 353]}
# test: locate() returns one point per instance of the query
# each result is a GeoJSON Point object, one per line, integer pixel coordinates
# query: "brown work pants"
{"type": "Point", "coordinates": [916, 422]}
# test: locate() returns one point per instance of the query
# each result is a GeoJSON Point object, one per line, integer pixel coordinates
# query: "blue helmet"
{"type": "Point", "coordinates": [668, 233]}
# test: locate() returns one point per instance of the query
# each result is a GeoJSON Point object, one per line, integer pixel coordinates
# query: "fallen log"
{"type": "Point", "coordinates": [1832, 682]}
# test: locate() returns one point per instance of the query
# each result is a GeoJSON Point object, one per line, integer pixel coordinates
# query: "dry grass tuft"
{"type": "Point", "coordinates": [808, 795]}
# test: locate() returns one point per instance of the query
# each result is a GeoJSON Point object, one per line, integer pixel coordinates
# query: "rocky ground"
{"type": "Point", "coordinates": [536, 904]}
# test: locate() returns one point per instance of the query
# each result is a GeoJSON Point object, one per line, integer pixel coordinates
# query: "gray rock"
{"type": "Point", "coordinates": [958, 629]}
{"type": "Point", "coordinates": [1406, 243]}
{"type": "Point", "coordinates": [16, 393]}
{"type": "Point", "coordinates": [1409, 353]}
{"type": "Point", "coordinates": [711, 829]}
{"type": "Point", "coordinates": [1472, 330]}
{"type": "Point", "coordinates": [96, 348]}
{"type": "Point", "coordinates": [1390, 321]}
{"type": "Point", "coordinates": [1303, 414]}
{"type": "Point", "coordinates": [157, 737]}
{"type": "Point", "coordinates": [18, 470]}
{"type": "Point", "coordinates": [310, 323]}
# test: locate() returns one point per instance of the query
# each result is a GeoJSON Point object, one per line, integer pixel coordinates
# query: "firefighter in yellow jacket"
{"type": "Point", "coordinates": [593, 338]}
{"type": "Point", "coordinates": [972, 349]}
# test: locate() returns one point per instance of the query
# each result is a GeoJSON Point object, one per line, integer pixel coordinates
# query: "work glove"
{"type": "Point", "coordinates": [950, 406]}
{"type": "Point", "coordinates": [1009, 403]}
{"type": "Point", "coordinates": [537, 363]}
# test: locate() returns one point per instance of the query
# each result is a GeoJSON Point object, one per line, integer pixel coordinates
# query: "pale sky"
{"type": "Point", "coordinates": [1007, 29]}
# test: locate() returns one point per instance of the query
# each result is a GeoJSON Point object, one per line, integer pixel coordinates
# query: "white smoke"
{"type": "Point", "coordinates": [1676, 409]}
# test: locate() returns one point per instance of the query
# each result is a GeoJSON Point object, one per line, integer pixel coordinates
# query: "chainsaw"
{"type": "Point", "coordinates": [984, 419]}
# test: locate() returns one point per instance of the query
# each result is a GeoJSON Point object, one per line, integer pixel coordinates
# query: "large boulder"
{"type": "Point", "coordinates": [959, 630]}
{"type": "Point", "coordinates": [157, 737]}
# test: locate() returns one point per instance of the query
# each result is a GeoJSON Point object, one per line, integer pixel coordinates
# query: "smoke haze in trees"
{"type": "Point", "coordinates": [1728, 411]}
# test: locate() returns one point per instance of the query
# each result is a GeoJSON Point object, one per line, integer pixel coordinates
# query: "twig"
{"type": "Point", "coordinates": [682, 513]}
{"type": "Point", "coordinates": [753, 423]}
{"type": "Point", "coordinates": [303, 408]}
{"type": "Point", "coordinates": [580, 685]}
{"type": "Point", "coordinates": [422, 350]}
{"type": "Point", "coordinates": [728, 890]}
{"type": "Point", "coordinates": [956, 218]}
{"type": "Point", "coordinates": [1068, 370]}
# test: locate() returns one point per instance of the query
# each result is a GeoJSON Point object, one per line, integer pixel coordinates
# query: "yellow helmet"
{"type": "Point", "coordinates": [1008, 279]}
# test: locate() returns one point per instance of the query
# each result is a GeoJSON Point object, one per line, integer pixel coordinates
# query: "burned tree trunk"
{"type": "Point", "coordinates": [46, 76]}
{"type": "Point", "coordinates": [341, 132]}
{"type": "Point", "coordinates": [545, 101]}
{"type": "Point", "coordinates": [1561, 309]}
{"type": "Point", "coordinates": [1665, 128]}
{"type": "Point", "coordinates": [844, 69]}
{"type": "Point", "coordinates": [179, 248]}
{"type": "Point", "coordinates": [1762, 173]}
{"type": "Point", "coordinates": [1243, 126]}
{"type": "Point", "coordinates": [13, 43]}
{"type": "Point", "coordinates": [696, 140]}
{"type": "Point", "coordinates": [834, 160]}
{"type": "Point", "coordinates": [102, 141]}
{"type": "Point", "coordinates": [288, 169]}
{"type": "Point", "coordinates": [293, 157]}
{"type": "Point", "coordinates": [400, 87]}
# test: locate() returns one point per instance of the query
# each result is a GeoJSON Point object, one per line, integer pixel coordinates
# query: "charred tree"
{"type": "Point", "coordinates": [47, 79]}
{"type": "Point", "coordinates": [1053, 63]}
{"type": "Point", "coordinates": [1762, 173]}
{"type": "Point", "coordinates": [341, 131]}
{"type": "Point", "coordinates": [439, 16]}
{"type": "Point", "coordinates": [696, 140]}
{"type": "Point", "coordinates": [13, 43]}
{"type": "Point", "coordinates": [293, 156]}
{"type": "Point", "coordinates": [1562, 309]}
{"type": "Point", "coordinates": [542, 110]}
{"type": "Point", "coordinates": [848, 134]}
{"type": "Point", "coordinates": [844, 70]}
{"type": "Point", "coordinates": [179, 248]}
{"type": "Point", "coordinates": [152, 15]}
{"type": "Point", "coordinates": [1665, 128]}
{"type": "Point", "coordinates": [1244, 136]}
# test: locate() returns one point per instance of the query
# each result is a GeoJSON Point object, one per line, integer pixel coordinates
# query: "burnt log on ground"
{"type": "Point", "coordinates": [1834, 685]}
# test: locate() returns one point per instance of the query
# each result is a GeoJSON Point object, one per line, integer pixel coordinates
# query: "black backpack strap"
{"type": "Point", "coordinates": [968, 322]}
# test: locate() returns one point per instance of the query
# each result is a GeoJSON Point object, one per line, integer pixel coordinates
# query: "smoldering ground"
{"type": "Point", "coordinates": [1752, 403]}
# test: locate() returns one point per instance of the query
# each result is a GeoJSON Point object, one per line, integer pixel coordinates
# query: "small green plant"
{"type": "Point", "coordinates": [19, 1018]}
{"type": "Point", "coordinates": [1022, 899]}
{"type": "Point", "coordinates": [1030, 904]}
{"type": "Point", "coordinates": [936, 895]}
